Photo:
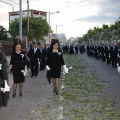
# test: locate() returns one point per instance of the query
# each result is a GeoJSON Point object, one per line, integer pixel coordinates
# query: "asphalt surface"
{"type": "Point", "coordinates": [106, 73]}
{"type": "Point", "coordinates": [37, 93]}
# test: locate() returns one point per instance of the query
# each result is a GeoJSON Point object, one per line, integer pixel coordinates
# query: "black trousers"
{"type": "Point", "coordinates": [34, 68]}
{"type": "Point", "coordinates": [42, 64]}
{"type": "Point", "coordinates": [108, 59]}
{"type": "Point", "coordinates": [114, 61]}
{"type": "Point", "coordinates": [103, 57]}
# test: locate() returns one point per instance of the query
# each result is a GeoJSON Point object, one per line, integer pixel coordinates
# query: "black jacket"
{"type": "Point", "coordinates": [34, 56]}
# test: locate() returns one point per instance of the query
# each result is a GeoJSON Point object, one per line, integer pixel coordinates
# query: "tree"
{"type": "Point", "coordinates": [104, 33]}
{"type": "Point", "coordinates": [3, 33]}
{"type": "Point", "coordinates": [38, 28]}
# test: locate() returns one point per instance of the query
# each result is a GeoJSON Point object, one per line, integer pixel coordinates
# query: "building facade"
{"type": "Point", "coordinates": [32, 13]}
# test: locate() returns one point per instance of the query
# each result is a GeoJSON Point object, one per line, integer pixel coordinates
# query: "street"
{"type": "Point", "coordinates": [90, 91]}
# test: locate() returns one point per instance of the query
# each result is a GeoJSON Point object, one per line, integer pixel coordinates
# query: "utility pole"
{"type": "Point", "coordinates": [49, 28]}
{"type": "Point", "coordinates": [28, 20]}
{"type": "Point", "coordinates": [20, 19]}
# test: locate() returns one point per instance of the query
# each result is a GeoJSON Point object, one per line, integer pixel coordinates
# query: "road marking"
{"type": "Point", "coordinates": [60, 111]}
{"type": "Point", "coordinates": [61, 98]}
{"type": "Point", "coordinates": [63, 76]}
{"type": "Point", "coordinates": [62, 87]}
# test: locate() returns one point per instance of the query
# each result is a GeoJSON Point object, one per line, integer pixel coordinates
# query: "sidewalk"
{"type": "Point", "coordinates": [37, 94]}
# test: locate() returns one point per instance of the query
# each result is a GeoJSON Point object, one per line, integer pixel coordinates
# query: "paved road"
{"type": "Point", "coordinates": [106, 73]}
{"type": "Point", "coordinates": [37, 93]}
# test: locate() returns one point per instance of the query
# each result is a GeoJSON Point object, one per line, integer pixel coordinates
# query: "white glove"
{"type": "Point", "coordinates": [48, 68]}
{"type": "Point", "coordinates": [6, 89]}
{"type": "Point", "coordinates": [65, 69]}
{"type": "Point", "coordinates": [24, 72]}
{"type": "Point", "coordinates": [118, 69]}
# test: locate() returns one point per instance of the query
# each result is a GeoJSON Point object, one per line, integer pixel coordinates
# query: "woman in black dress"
{"type": "Point", "coordinates": [18, 63]}
{"type": "Point", "coordinates": [71, 49]}
{"type": "Point", "coordinates": [53, 64]}
{"type": "Point", "coordinates": [3, 79]}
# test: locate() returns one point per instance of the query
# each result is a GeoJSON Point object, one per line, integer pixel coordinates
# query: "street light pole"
{"type": "Point", "coordinates": [49, 23]}
{"type": "Point", "coordinates": [57, 26]}
{"type": "Point", "coordinates": [28, 20]}
{"type": "Point", "coordinates": [49, 28]}
{"type": "Point", "coordinates": [20, 19]}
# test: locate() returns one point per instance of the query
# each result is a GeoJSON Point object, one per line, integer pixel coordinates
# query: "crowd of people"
{"type": "Point", "coordinates": [109, 53]}
{"type": "Point", "coordinates": [40, 56]}
{"type": "Point", "coordinates": [36, 58]}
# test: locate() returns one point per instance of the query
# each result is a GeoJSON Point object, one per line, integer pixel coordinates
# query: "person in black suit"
{"type": "Point", "coordinates": [96, 51]}
{"type": "Point", "coordinates": [113, 54]}
{"type": "Point", "coordinates": [76, 49]}
{"type": "Point", "coordinates": [42, 56]}
{"type": "Point", "coordinates": [71, 50]}
{"type": "Point", "coordinates": [88, 49]}
{"type": "Point", "coordinates": [107, 53]}
{"type": "Point", "coordinates": [34, 55]}
{"type": "Point", "coordinates": [103, 52]}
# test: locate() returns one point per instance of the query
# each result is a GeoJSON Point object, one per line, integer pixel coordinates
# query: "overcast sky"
{"type": "Point", "coordinates": [76, 16]}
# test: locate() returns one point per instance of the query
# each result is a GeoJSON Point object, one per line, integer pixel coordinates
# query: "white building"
{"type": "Point", "coordinates": [32, 13]}
{"type": "Point", "coordinates": [61, 37]}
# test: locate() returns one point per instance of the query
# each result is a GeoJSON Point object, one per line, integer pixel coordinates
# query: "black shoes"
{"type": "Point", "coordinates": [33, 76]}
{"type": "Point", "coordinates": [14, 95]}
{"type": "Point", "coordinates": [20, 94]}
{"type": "Point", "coordinates": [55, 91]}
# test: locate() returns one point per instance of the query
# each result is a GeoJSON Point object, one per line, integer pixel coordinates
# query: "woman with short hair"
{"type": "Point", "coordinates": [53, 64]}
{"type": "Point", "coordinates": [18, 63]}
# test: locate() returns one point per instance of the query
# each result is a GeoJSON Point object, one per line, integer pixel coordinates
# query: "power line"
{"type": "Point", "coordinates": [7, 3]}
{"type": "Point", "coordinates": [10, 4]}
{"type": "Point", "coordinates": [14, 2]}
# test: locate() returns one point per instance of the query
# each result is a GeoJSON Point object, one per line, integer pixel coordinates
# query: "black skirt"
{"type": "Point", "coordinates": [56, 72]}
{"type": "Point", "coordinates": [18, 76]}
{"type": "Point", "coordinates": [4, 97]}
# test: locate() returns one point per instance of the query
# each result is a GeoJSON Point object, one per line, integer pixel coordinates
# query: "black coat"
{"type": "Point", "coordinates": [34, 56]}
{"type": "Point", "coordinates": [43, 54]}
{"type": "Point", "coordinates": [55, 61]}
{"type": "Point", "coordinates": [113, 51]}
{"type": "Point", "coordinates": [18, 62]}
{"type": "Point", "coordinates": [3, 71]}
{"type": "Point", "coordinates": [3, 76]}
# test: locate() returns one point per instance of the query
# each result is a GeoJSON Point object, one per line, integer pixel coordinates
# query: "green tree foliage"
{"type": "Point", "coordinates": [38, 28]}
{"type": "Point", "coordinates": [3, 33]}
{"type": "Point", "coordinates": [104, 32]}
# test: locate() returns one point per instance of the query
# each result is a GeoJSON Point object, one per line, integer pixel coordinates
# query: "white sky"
{"type": "Point", "coordinates": [76, 16]}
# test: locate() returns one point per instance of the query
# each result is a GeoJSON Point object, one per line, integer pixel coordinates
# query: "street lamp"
{"type": "Point", "coordinates": [57, 26]}
{"type": "Point", "coordinates": [49, 22]}
{"type": "Point", "coordinates": [20, 19]}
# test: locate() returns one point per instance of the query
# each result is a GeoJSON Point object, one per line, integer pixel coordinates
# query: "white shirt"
{"type": "Point", "coordinates": [35, 49]}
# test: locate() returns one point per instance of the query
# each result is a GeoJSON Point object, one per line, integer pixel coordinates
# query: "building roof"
{"type": "Point", "coordinates": [29, 10]}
